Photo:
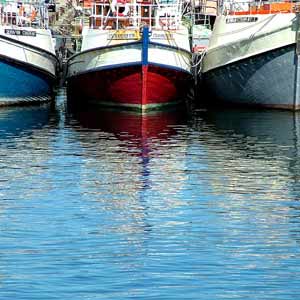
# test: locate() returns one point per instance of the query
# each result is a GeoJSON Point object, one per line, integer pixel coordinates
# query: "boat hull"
{"type": "Point", "coordinates": [253, 62]}
{"type": "Point", "coordinates": [139, 74]}
{"type": "Point", "coordinates": [18, 84]}
{"type": "Point", "coordinates": [27, 67]}
{"type": "Point", "coordinates": [133, 87]}
{"type": "Point", "coordinates": [267, 80]}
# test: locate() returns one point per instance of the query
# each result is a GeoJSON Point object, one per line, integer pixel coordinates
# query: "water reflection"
{"type": "Point", "coordinates": [21, 133]}
{"type": "Point", "coordinates": [16, 121]}
{"type": "Point", "coordinates": [137, 130]}
{"type": "Point", "coordinates": [130, 155]}
{"type": "Point", "coordinates": [280, 128]}
{"type": "Point", "coordinates": [252, 152]}
{"type": "Point", "coordinates": [111, 205]}
{"type": "Point", "coordinates": [242, 167]}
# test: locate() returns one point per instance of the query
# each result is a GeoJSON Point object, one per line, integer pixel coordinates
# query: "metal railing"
{"type": "Point", "coordinates": [24, 14]}
{"type": "Point", "coordinates": [110, 15]}
{"type": "Point", "coordinates": [203, 12]}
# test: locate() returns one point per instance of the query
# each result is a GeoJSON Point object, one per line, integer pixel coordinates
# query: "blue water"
{"type": "Point", "coordinates": [180, 205]}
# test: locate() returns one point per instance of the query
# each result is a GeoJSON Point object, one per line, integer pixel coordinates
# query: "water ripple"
{"type": "Point", "coordinates": [174, 205]}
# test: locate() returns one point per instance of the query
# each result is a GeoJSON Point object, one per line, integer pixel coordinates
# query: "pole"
{"type": "Point", "coordinates": [145, 48]}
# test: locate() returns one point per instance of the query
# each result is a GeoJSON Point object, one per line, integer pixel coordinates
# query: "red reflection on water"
{"type": "Point", "coordinates": [138, 130]}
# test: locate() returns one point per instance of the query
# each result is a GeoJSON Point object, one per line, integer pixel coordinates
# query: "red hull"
{"type": "Point", "coordinates": [140, 87]}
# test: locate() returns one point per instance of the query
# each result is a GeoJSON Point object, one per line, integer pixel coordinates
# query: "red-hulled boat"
{"type": "Point", "coordinates": [134, 55]}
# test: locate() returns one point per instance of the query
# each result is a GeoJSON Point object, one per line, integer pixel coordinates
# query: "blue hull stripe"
{"type": "Point", "coordinates": [30, 68]}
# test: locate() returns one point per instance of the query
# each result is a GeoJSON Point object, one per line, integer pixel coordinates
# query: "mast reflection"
{"type": "Point", "coordinates": [130, 164]}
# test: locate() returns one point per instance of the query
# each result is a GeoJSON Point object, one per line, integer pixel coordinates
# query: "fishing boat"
{"type": "Point", "coordinates": [134, 55]}
{"type": "Point", "coordinates": [27, 56]}
{"type": "Point", "coordinates": [253, 55]}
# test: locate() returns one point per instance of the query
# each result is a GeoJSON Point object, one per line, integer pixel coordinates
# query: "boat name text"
{"type": "Point", "coordinates": [122, 36]}
{"type": "Point", "coordinates": [161, 36]}
{"type": "Point", "coordinates": [20, 32]}
{"type": "Point", "coordinates": [241, 20]}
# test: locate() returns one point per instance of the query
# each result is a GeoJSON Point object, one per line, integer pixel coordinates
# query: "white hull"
{"type": "Point", "coordinates": [99, 51]}
{"type": "Point", "coordinates": [36, 51]}
{"type": "Point", "coordinates": [231, 42]}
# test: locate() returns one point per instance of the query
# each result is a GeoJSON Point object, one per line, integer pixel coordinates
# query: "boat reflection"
{"type": "Point", "coordinates": [24, 148]}
{"type": "Point", "coordinates": [255, 152]}
{"type": "Point", "coordinates": [250, 168]}
{"type": "Point", "coordinates": [132, 155]}
{"type": "Point", "coordinates": [282, 127]}
{"type": "Point", "coordinates": [22, 120]}
{"type": "Point", "coordinates": [140, 132]}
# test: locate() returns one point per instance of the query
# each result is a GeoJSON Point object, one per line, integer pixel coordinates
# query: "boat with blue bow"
{"type": "Point", "coordinates": [27, 55]}
{"type": "Point", "coordinates": [134, 55]}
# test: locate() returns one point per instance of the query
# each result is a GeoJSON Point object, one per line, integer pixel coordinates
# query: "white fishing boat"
{"type": "Point", "coordinates": [253, 55]}
{"type": "Point", "coordinates": [27, 56]}
{"type": "Point", "coordinates": [134, 54]}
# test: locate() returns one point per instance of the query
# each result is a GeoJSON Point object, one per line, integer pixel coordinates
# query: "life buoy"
{"type": "Point", "coordinates": [119, 8]}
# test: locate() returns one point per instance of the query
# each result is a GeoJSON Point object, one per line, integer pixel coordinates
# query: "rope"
{"type": "Point", "coordinates": [199, 62]}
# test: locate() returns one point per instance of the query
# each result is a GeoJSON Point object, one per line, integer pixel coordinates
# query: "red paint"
{"type": "Point", "coordinates": [133, 85]}
{"type": "Point", "coordinates": [144, 84]}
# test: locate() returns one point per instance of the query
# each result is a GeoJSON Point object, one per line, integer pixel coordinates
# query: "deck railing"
{"type": "Point", "coordinates": [24, 14]}
{"type": "Point", "coordinates": [115, 15]}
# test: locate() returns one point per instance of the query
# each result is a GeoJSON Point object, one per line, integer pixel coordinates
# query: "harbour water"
{"type": "Point", "coordinates": [180, 205]}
